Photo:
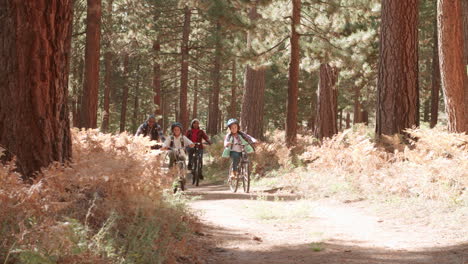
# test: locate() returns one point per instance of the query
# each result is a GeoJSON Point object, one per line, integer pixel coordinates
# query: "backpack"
{"type": "Point", "coordinates": [181, 142]}
{"type": "Point", "coordinates": [245, 137]}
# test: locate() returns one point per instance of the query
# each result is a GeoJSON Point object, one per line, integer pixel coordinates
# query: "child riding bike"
{"type": "Point", "coordinates": [196, 135]}
{"type": "Point", "coordinates": [176, 142]}
{"type": "Point", "coordinates": [233, 143]}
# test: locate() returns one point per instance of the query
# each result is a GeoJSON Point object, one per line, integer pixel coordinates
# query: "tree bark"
{"type": "Point", "coordinates": [253, 100]}
{"type": "Point", "coordinates": [397, 85]}
{"type": "Point", "coordinates": [357, 105]}
{"type": "Point", "coordinates": [233, 104]}
{"type": "Point", "coordinates": [184, 49]}
{"type": "Point", "coordinates": [91, 75]}
{"type": "Point", "coordinates": [157, 98]}
{"type": "Point", "coordinates": [348, 120]}
{"type": "Point", "coordinates": [107, 89]}
{"type": "Point", "coordinates": [452, 64]}
{"type": "Point", "coordinates": [123, 111]}
{"type": "Point", "coordinates": [108, 75]}
{"type": "Point", "coordinates": [435, 86]}
{"type": "Point", "coordinates": [293, 84]}
{"type": "Point", "coordinates": [465, 42]}
{"type": "Point", "coordinates": [214, 110]}
{"type": "Point", "coordinates": [195, 98]}
{"type": "Point", "coordinates": [34, 122]}
{"type": "Point", "coordinates": [327, 103]}
{"type": "Point", "coordinates": [136, 105]}
{"type": "Point", "coordinates": [464, 6]}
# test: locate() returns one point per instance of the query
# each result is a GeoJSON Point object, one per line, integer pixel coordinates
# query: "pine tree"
{"type": "Point", "coordinates": [34, 124]}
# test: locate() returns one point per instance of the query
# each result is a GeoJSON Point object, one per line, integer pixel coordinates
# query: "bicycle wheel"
{"type": "Point", "coordinates": [246, 177]}
{"type": "Point", "coordinates": [233, 182]}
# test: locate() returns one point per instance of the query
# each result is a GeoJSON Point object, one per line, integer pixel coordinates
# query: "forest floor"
{"type": "Point", "coordinates": [268, 227]}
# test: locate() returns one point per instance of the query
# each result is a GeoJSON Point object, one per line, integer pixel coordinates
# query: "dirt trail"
{"type": "Point", "coordinates": [327, 232]}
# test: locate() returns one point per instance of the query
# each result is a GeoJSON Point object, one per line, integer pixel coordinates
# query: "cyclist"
{"type": "Point", "coordinates": [232, 144]}
{"type": "Point", "coordinates": [196, 135]}
{"type": "Point", "coordinates": [152, 130]}
{"type": "Point", "coordinates": [176, 142]}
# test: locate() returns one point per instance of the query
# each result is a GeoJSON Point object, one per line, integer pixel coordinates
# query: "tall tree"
{"type": "Point", "coordinates": [184, 49]}
{"type": "Point", "coordinates": [452, 63]}
{"type": "Point", "coordinates": [108, 74]}
{"type": "Point", "coordinates": [123, 111]}
{"type": "Point", "coordinates": [327, 103]}
{"type": "Point", "coordinates": [397, 85]}
{"type": "Point", "coordinates": [91, 71]}
{"type": "Point", "coordinates": [293, 84]}
{"type": "Point", "coordinates": [214, 113]}
{"type": "Point", "coordinates": [435, 85]}
{"type": "Point", "coordinates": [36, 42]}
{"type": "Point", "coordinates": [195, 98]}
{"type": "Point", "coordinates": [158, 108]}
{"type": "Point", "coordinates": [253, 100]}
{"type": "Point", "coordinates": [233, 101]}
{"type": "Point", "coordinates": [136, 102]}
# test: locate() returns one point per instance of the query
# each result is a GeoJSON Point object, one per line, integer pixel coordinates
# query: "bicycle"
{"type": "Point", "coordinates": [197, 164]}
{"type": "Point", "coordinates": [180, 170]}
{"type": "Point", "coordinates": [243, 172]}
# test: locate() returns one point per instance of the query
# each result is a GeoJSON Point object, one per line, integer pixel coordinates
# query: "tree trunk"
{"type": "Point", "coordinates": [357, 105]}
{"type": "Point", "coordinates": [91, 74]}
{"type": "Point", "coordinates": [123, 111]}
{"type": "Point", "coordinates": [136, 106]}
{"type": "Point", "coordinates": [464, 6]}
{"type": "Point", "coordinates": [465, 41]}
{"type": "Point", "coordinates": [253, 100]}
{"type": "Point", "coordinates": [340, 120]}
{"type": "Point", "coordinates": [195, 98]}
{"type": "Point", "coordinates": [348, 120]}
{"type": "Point", "coordinates": [452, 65]}
{"type": "Point", "coordinates": [184, 50]}
{"type": "Point", "coordinates": [427, 109]}
{"type": "Point", "coordinates": [293, 84]}
{"type": "Point", "coordinates": [107, 89]}
{"type": "Point", "coordinates": [397, 85]}
{"type": "Point", "coordinates": [108, 75]}
{"type": "Point", "coordinates": [233, 104]}
{"type": "Point", "coordinates": [214, 110]}
{"type": "Point", "coordinates": [36, 42]}
{"type": "Point", "coordinates": [76, 96]}
{"type": "Point", "coordinates": [158, 108]}
{"type": "Point", "coordinates": [435, 86]}
{"type": "Point", "coordinates": [327, 103]}
{"type": "Point", "coordinates": [313, 108]}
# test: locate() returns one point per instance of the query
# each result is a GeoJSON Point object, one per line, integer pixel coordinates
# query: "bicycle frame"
{"type": "Point", "coordinates": [243, 173]}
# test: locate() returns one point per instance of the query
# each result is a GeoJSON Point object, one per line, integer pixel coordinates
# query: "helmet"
{"type": "Point", "coordinates": [176, 124]}
{"type": "Point", "coordinates": [193, 121]}
{"type": "Point", "coordinates": [232, 121]}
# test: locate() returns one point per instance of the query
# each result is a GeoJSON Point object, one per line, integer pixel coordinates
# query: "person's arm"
{"type": "Point", "coordinates": [166, 144]}
{"type": "Point", "coordinates": [226, 142]}
{"type": "Point", "coordinates": [161, 134]}
{"type": "Point", "coordinates": [205, 137]}
{"type": "Point", "coordinates": [188, 142]}
{"type": "Point", "coordinates": [139, 131]}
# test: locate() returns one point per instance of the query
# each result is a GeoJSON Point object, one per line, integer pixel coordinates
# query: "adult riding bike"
{"type": "Point", "coordinates": [243, 172]}
{"type": "Point", "coordinates": [197, 163]}
{"type": "Point", "coordinates": [180, 169]}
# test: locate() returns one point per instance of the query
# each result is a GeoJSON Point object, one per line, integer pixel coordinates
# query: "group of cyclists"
{"type": "Point", "coordinates": [236, 142]}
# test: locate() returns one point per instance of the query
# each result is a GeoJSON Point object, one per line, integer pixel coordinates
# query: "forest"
{"type": "Point", "coordinates": [361, 101]}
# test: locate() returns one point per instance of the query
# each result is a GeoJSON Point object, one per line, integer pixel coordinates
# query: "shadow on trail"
{"type": "Point", "coordinates": [338, 252]}
{"type": "Point", "coordinates": [222, 192]}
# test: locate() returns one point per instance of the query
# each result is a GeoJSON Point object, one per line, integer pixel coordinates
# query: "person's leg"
{"type": "Point", "coordinates": [190, 152]}
{"type": "Point", "coordinates": [172, 158]}
{"type": "Point", "coordinates": [201, 163]}
{"type": "Point", "coordinates": [235, 156]}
